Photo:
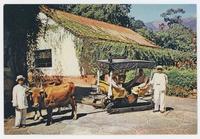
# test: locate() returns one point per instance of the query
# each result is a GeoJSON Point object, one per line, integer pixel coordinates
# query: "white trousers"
{"type": "Point", "coordinates": [159, 99]}
{"type": "Point", "coordinates": [20, 117]}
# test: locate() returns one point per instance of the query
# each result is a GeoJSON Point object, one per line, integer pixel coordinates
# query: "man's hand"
{"type": "Point", "coordinates": [16, 108]}
{"type": "Point", "coordinates": [27, 90]}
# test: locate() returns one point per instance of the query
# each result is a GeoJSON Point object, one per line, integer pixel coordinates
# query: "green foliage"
{"type": "Point", "coordinates": [136, 24]}
{"type": "Point", "coordinates": [82, 30]}
{"type": "Point", "coordinates": [93, 50]}
{"type": "Point", "coordinates": [111, 13]}
{"type": "Point", "coordinates": [94, 46]}
{"type": "Point", "coordinates": [185, 78]}
{"type": "Point", "coordinates": [149, 34]}
{"type": "Point", "coordinates": [131, 74]}
{"type": "Point", "coordinates": [172, 16]}
{"type": "Point", "coordinates": [21, 28]}
{"type": "Point", "coordinates": [172, 38]}
{"type": "Point", "coordinates": [177, 37]}
{"type": "Point", "coordinates": [181, 81]}
{"type": "Point", "coordinates": [177, 91]}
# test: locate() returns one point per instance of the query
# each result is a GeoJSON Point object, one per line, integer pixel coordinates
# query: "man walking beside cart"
{"type": "Point", "coordinates": [159, 82]}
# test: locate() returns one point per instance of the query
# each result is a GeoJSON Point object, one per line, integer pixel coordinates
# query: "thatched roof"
{"type": "Point", "coordinates": [90, 28]}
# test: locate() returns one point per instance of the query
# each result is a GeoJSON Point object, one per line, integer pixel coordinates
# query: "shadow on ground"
{"type": "Point", "coordinates": [34, 123]}
{"type": "Point", "coordinates": [83, 92]}
{"type": "Point", "coordinates": [169, 109]}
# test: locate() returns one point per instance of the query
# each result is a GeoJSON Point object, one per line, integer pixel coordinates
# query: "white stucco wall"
{"type": "Point", "coordinates": [61, 43]}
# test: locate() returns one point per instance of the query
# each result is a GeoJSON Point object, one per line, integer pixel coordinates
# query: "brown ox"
{"type": "Point", "coordinates": [36, 99]}
{"type": "Point", "coordinates": [56, 96]}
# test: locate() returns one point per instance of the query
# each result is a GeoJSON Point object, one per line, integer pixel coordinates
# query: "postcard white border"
{"type": "Point", "coordinates": [94, 2]}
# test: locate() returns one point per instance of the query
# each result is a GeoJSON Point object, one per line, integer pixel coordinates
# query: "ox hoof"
{"type": "Point", "coordinates": [41, 118]}
{"type": "Point", "coordinates": [48, 123]}
{"type": "Point", "coordinates": [75, 118]}
{"type": "Point", "coordinates": [35, 118]}
{"type": "Point", "coordinates": [59, 110]}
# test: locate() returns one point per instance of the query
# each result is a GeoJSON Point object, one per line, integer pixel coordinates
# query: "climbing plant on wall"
{"type": "Point", "coordinates": [92, 50]}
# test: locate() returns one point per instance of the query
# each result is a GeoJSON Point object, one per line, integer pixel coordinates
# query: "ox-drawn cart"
{"type": "Point", "coordinates": [105, 96]}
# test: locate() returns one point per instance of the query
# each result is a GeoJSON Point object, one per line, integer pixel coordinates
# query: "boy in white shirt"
{"type": "Point", "coordinates": [19, 101]}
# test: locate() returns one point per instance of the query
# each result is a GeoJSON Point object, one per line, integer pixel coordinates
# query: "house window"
{"type": "Point", "coordinates": [43, 58]}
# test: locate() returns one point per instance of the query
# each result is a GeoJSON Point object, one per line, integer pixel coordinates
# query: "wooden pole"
{"type": "Point", "coordinates": [98, 81]}
{"type": "Point", "coordinates": [110, 85]}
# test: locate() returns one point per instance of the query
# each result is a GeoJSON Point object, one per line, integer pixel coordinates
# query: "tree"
{"type": "Point", "coordinates": [172, 16]}
{"type": "Point", "coordinates": [177, 37]}
{"type": "Point", "coordinates": [136, 24]}
{"type": "Point", "coordinates": [165, 40]}
{"type": "Point", "coordinates": [111, 13]}
{"type": "Point", "coordinates": [162, 26]}
{"type": "Point", "coordinates": [149, 34]}
{"type": "Point", "coordinates": [21, 28]}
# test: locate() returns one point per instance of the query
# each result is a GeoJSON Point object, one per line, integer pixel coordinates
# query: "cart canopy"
{"type": "Point", "coordinates": [124, 64]}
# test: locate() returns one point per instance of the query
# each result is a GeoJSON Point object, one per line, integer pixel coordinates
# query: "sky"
{"type": "Point", "coordinates": [151, 12]}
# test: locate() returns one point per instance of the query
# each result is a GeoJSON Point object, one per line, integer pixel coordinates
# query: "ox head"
{"type": "Point", "coordinates": [37, 96]}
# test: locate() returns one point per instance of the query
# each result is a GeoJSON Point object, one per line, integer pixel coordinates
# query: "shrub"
{"type": "Point", "coordinates": [185, 78]}
{"type": "Point", "coordinates": [131, 74]}
{"type": "Point", "coordinates": [181, 81]}
{"type": "Point", "coordinates": [177, 91]}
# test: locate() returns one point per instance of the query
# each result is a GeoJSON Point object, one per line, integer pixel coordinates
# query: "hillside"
{"type": "Point", "coordinates": [190, 22]}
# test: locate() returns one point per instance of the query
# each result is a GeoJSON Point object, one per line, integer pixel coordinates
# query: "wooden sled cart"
{"type": "Point", "coordinates": [116, 100]}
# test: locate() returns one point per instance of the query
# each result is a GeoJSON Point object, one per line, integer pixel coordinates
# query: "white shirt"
{"type": "Point", "coordinates": [19, 97]}
{"type": "Point", "coordinates": [159, 81]}
{"type": "Point", "coordinates": [114, 84]}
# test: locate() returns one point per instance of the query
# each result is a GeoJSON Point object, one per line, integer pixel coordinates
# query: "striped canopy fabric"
{"type": "Point", "coordinates": [124, 64]}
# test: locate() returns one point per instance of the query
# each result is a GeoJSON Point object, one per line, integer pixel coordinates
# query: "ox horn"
{"type": "Point", "coordinates": [30, 91]}
{"type": "Point", "coordinates": [41, 90]}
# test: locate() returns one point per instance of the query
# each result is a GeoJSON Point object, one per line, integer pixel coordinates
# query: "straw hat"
{"type": "Point", "coordinates": [159, 67]}
{"type": "Point", "coordinates": [20, 77]}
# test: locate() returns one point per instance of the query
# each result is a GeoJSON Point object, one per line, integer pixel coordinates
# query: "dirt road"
{"type": "Point", "coordinates": [181, 119]}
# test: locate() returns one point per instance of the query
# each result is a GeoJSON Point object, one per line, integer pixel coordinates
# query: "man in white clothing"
{"type": "Point", "coordinates": [159, 82]}
{"type": "Point", "coordinates": [19, 101]}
